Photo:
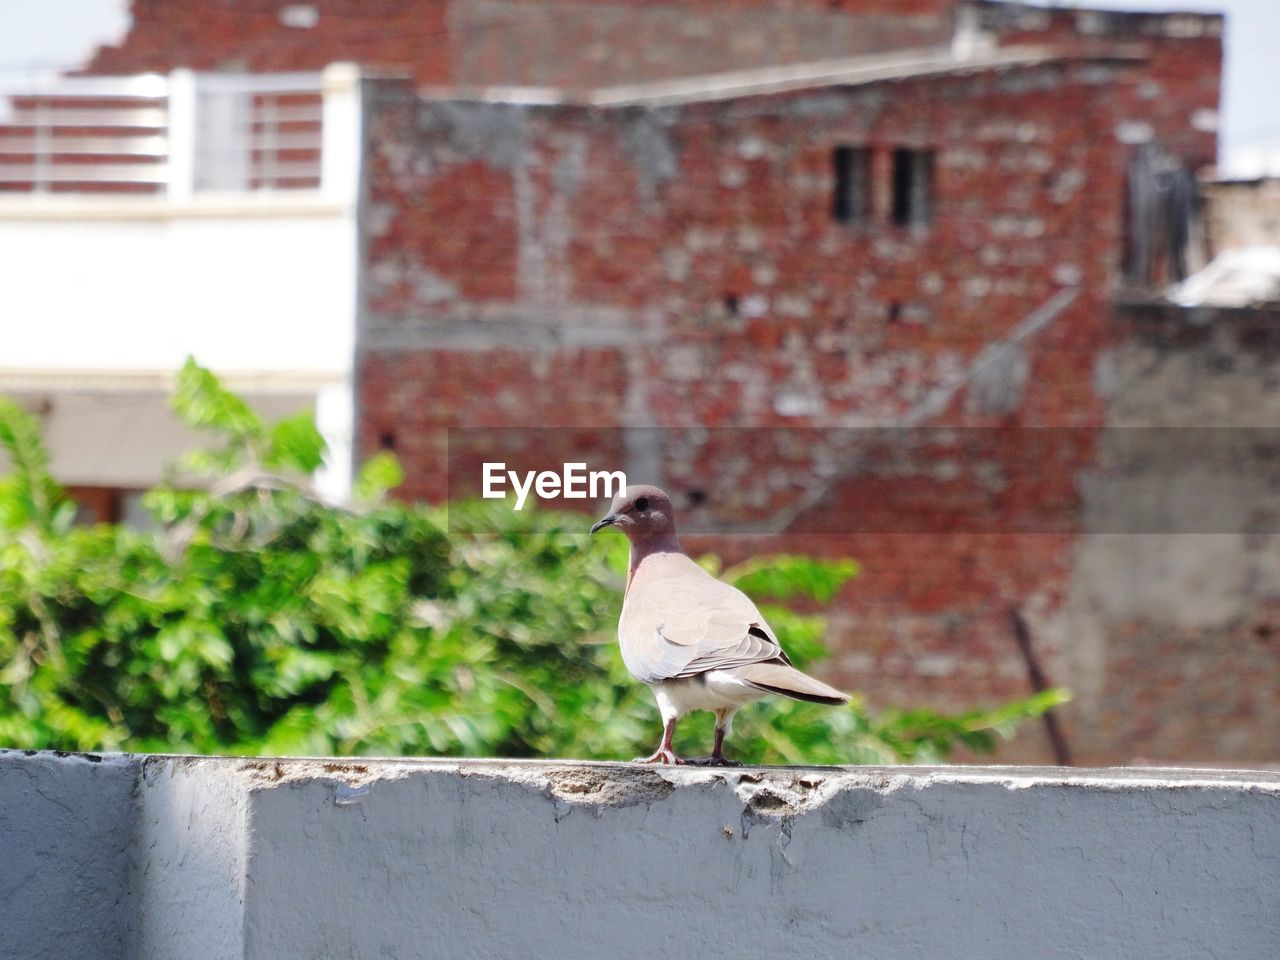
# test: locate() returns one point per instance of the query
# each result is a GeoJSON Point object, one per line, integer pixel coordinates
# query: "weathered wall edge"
{"type": "Point", "coordinates": [206, 857]}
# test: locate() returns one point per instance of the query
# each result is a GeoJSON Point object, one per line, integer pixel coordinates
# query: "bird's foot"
{"type": "Point", "coordinates": [714, 761]}
{"type": "Point", "coordinates": [663, 756]}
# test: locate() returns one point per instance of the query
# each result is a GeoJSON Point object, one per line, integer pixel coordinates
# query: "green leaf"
{"type": "Point", "coordinates": [203, 402]}
{"type": "Point", "coordinates": [29, 494]}
{"type": "Point", "coordinates": [380, 474]}
{"type": "Point", "coordinates": [788, 577]}
{"type": "Point", "coordinates": [295, 445]}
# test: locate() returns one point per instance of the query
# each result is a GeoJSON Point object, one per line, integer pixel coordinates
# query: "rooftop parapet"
{"type": "Point", "coordinates": [158, 856]}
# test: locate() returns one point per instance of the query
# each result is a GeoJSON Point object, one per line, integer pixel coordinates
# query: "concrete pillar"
{"type": "Point", "coordinates": [181, 134]}
{"type": "Point", "coordinates": [335, 419]}
{"type": "Point", "coordinates": [343, 143]}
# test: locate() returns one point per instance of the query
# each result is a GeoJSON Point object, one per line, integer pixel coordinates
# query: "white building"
{"type": "Point", "coordinates": [144, 219]}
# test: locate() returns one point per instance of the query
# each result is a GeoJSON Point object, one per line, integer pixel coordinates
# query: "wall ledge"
{"type": "Point", "coordinates": [153, 856]}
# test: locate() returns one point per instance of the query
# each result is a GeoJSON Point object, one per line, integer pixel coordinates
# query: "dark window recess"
{"type": "Point", "coordinates": [912, 187]}
{"type": "Point", "coordinates": [110, 505]}
{"type": "Point", "coordinates": [852, 199]}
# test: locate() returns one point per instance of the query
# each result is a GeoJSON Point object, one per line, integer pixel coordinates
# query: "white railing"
{"type": "Point", "coordinates": [181, 134]}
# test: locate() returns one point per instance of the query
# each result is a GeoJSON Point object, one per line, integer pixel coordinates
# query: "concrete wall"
{"type": "Point", "coordinates": [1243, 213]}
{"type": "Point", "coordinates": [1167, 631]}
{"type": "Point", "coordinates": [161, 857]}
{"type": "Point", "coordinates": [68, 849]}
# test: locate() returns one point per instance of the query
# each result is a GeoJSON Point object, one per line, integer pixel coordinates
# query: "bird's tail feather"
{"type": "Point", "coordinates": [786, 680]}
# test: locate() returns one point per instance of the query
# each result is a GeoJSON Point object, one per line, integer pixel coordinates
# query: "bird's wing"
{"type": "Point", "coordinates": [689, 623]}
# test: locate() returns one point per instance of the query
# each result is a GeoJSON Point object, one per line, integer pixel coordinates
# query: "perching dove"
{"type": "Point", "coordinates": [700, 643]}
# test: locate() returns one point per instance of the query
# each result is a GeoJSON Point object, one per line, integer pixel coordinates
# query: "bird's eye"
{"type": "Point", "coordinates": [642, 504]}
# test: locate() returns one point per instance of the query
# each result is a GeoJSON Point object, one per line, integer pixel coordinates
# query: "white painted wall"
{"type": "Point", "coordinates": [106, 294]}
{"type": "Point", "coordinates": [223, 857]}
{"type": "Point", "coordinates": [136, 288]}
{"type": "Point", "coordinates": [103, 301]}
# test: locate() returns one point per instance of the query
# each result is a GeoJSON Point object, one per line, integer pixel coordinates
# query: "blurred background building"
{"type": "Point", "coordinates": [762, 226]}
{"type": "Point", "coordinates": [148, 217]}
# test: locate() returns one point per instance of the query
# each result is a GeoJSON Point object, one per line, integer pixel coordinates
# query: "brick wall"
{"type": "Point", "coordinates": [681, 267]}
{"type": "Point", "coordinates": [256, 35]}
{"type": "Point", "coordinates": [585, 45]}
{"type": "Point", "coordinates": [532, 42]}
{"type": "Point", "coordinates": [1173, 99]}
{"type": "Point", "coordinates": [551, 42]}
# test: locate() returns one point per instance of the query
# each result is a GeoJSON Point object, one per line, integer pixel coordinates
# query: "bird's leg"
{"type": "Point", "coordinates": [717, 758]}
{"type": "Point", "coordinates": [665, 754]}
{"type": "Point", "coordinates": [717, 752]}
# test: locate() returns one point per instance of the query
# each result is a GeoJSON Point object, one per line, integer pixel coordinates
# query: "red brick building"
{"type": "Point", "coordinates": [795, 221]}
{"type": "Point", "coordinates": [463, 43]}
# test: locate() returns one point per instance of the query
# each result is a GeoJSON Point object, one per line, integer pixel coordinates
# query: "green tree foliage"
{"type": "Point", "coordinates": [255, 619]}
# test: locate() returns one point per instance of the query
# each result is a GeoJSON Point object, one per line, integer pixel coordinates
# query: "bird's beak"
{"type": "Point", "coordinates": [603, 522]}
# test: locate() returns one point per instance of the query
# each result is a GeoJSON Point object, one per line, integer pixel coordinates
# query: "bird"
{"type": "Point", "coordinates": [698, 642]}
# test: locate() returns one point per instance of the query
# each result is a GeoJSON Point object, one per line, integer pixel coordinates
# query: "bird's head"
{"type": "Point", "coordinates": [641, 512]}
